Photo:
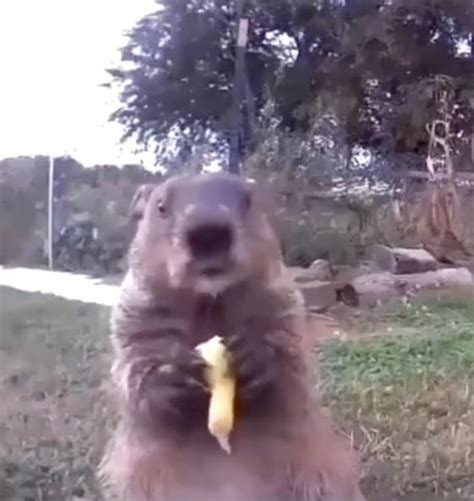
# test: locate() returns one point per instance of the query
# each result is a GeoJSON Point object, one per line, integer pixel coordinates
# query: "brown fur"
{"type": "Point", "coordinates": [283, 449]}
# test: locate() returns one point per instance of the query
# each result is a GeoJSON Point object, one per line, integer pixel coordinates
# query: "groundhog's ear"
{"type": "Point", "coordinates": [139, 200]}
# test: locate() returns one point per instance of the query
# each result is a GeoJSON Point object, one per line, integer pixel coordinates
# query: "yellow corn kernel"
{"type": "Point", "coordinates": [222, 385]}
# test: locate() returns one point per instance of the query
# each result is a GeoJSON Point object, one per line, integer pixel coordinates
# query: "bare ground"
{"type": "Point", "coordinates": [406, 400]}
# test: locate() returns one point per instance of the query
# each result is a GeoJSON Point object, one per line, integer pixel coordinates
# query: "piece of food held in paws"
{"type": "Point", "coordinates": [222, 387]}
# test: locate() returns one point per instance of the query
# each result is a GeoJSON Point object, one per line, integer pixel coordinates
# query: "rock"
{"type": "Point", "coordinates": [399, 260]}
{"type": "Point", "coordinates": [321, 270]}
{"type": "Point", "coordinates": [318, 295]}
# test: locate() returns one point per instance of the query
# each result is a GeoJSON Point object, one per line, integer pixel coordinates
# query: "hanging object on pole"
{"type": "Point", "coordinates": [243, 32]}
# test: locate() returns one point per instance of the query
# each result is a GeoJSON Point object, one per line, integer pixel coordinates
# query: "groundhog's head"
{"type": "Point", "coordinates": [205, 232]}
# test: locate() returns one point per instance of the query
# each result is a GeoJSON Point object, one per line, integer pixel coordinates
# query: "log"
{"type": "Point", "coordinates": [303, 275]}
{"type": "Point", "coordinates": [375, 287]}
{"type": "Point", "coordinates": [399, 260]}
{"type": "Point", "coordinates": [461, 263]}
{"type": "Point", "coordinates": [319, 292]}
{"type": "Point", "coordinates": [414, 174]}
{"type": "Point", "coordinates": [346, 273]}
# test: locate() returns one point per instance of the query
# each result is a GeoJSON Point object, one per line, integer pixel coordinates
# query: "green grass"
{"type": "Point", "coordinates": [442, 348]}
{"type": "Point", "coordinates": [403, 390]}
{"type": "Point", "coordinates": [409, 396]}
{"type": "Point", "coordinates": [53, 415]}
{"type": "Point", "coordinates": [438, 342]}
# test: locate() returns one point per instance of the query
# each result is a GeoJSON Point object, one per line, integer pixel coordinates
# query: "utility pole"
{"type": "Point", "coordinates": [237, 94]}
{"type": "Point", "coordinates": [51, 213]}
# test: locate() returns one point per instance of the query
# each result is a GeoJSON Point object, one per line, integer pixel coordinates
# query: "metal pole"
{"type": "Point", "coordinates": [242, 33]}
{"type": "Point", "coordinates": [51, 212]}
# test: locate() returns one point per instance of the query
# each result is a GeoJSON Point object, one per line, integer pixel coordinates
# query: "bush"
{"type": "Point", "coordinates": [302, 244]}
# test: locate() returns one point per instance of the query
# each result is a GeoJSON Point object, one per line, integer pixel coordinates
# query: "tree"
{"type": "Point", "coordinates": [362, 61]}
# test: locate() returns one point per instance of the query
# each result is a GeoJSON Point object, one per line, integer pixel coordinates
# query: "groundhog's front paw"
{"type": "Point", "coordinates": [172, 389]}
{"type": "Point", "coordinates": [253, 361]}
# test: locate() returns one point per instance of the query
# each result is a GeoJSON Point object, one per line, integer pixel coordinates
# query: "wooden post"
{"type": "Point", "coordinates": [51, 213]}
{"type": "Point", "coordinates": [239, 82]}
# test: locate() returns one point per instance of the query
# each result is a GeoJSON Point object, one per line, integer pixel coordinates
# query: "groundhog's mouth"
{"type": "Point", "coordinates": [213, 271]}
{"type": "Point", "coordinates": [211, 276]}
{"type": "Point", "coordinates": [213, 268]}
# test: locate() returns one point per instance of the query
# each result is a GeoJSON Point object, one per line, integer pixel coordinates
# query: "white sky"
{"type": "Point", "coordinates": [53, 56]}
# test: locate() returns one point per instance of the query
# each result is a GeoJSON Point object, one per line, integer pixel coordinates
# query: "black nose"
{"type": "Point", "coordinates": [209, 240]}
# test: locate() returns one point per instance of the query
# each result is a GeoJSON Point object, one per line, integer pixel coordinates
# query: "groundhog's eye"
{"type": "Point", "coordinates": [161, 208]}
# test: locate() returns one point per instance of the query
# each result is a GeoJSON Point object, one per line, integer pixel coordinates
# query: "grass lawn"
{"type": "Point", "coordinates": [53, 419]}
{"type": "Point", "coordinates": [404, 394]}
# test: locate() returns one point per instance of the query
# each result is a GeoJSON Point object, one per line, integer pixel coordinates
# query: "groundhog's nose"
{"type": "Point", "coordinates": [208, 240]}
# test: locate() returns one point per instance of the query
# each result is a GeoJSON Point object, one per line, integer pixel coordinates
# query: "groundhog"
{"type": "Point", "coordinates": [205, 261]}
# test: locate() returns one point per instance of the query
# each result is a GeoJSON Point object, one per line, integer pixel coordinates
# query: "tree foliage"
{"type": "Point", "coordinates": [366, 63]}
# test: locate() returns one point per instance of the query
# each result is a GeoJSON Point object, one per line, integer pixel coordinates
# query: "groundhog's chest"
{"type": "Point", "coordinates": [229, 315]}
